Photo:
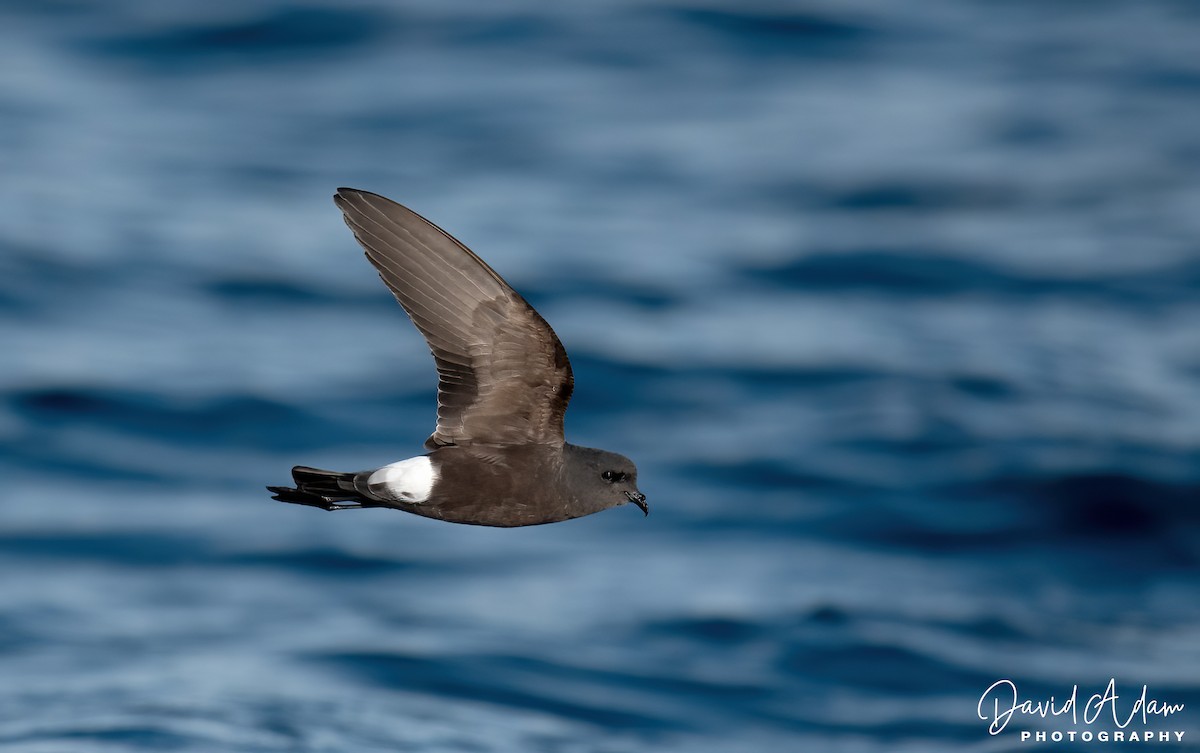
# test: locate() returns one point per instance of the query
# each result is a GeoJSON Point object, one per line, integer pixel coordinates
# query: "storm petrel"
{"type": "Point", "coordinates": [498, 456]}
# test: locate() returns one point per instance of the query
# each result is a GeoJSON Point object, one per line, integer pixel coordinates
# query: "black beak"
{"type": "Point", "coordinates": [639, 499]}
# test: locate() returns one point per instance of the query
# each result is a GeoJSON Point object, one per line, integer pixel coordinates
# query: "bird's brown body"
{"type": "Point", "coordinates": [526, 485]}
{"type": "Point", "coordinates": [498, 456]}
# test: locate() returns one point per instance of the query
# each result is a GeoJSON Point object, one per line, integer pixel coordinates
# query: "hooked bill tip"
{"type": "Point", "coordinates": [639, 499]}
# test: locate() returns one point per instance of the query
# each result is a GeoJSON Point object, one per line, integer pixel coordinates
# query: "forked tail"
{"type": "Point", "coordinates": [328, 490]}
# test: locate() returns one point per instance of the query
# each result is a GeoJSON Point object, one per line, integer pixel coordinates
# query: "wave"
{"type": "Point", "coordinates": [922, 273]}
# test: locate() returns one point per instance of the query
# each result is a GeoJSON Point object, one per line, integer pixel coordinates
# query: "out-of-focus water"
{"type": "Point", "coordinates": [896, 305]}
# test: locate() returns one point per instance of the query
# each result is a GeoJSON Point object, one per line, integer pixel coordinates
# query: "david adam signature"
{"type": "Point", "coordinates": [1003, 701]}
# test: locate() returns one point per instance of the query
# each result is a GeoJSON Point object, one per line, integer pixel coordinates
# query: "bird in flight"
{"type": "Point", "coordinates": [498, 456]}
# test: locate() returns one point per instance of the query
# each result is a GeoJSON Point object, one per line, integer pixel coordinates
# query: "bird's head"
{"type": "Point", "coordinates": [611, 477]}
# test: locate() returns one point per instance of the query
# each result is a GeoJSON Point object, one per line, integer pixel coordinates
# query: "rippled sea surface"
{"type": "Point", "coordinates": [897, 306]}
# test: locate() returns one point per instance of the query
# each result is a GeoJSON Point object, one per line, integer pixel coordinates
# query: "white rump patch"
{"type": "Point", "coordinates": [409, 480]}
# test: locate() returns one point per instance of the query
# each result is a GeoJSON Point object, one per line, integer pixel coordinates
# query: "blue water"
{"type": "Point", "coordinates": [896, 305]}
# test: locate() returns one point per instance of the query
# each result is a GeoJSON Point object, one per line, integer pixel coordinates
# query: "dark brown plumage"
{"type": "Point", "coordinates": [503, 375]}
{"type": "Point", "coordinates": [498, 455]}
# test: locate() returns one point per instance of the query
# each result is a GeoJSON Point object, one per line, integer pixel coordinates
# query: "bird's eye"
{"type": "Point", "coordinates": [612, 477]}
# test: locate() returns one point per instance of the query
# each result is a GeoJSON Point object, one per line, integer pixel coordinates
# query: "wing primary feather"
{"type": "Point", "coordinates": [503, 376]}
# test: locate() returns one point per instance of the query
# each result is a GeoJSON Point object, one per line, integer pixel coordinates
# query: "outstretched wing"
{"type": "Point", "coordinates": [503, 375]}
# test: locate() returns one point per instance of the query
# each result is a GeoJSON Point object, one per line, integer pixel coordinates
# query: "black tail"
{"type": "Point", "coordinates": [328, 490]}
